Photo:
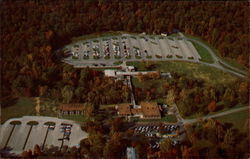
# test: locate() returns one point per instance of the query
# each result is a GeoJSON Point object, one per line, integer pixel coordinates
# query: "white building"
{"type": "Point", "coordinates": [131, 153]}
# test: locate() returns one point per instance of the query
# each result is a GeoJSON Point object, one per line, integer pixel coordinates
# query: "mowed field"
{"type": "Point", "coordinates": [199, 71]}
{"type": "Point", "coordinates": [238, 119]}
{"type": "Point", "coordinates": [204, 56]}
{"type": "Point", "coordinates": [24, 107]}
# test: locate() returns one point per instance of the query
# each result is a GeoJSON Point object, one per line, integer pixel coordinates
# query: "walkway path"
{"type": "Point", "coordinates": [131, 91]}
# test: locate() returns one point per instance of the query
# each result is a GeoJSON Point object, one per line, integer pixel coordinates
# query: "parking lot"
{"type": "Point", "coordinates": [126, 47]}
{"type": "Point", "coordinates": [157, 132]}
{"type": "Point", "coordinates": [49, 131]}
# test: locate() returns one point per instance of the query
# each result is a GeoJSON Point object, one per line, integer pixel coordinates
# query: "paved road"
{"type": "Point", "coordinates": [190, 121]}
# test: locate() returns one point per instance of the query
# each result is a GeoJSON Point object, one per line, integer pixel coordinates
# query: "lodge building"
{"type": "Point", "coordinates": [71, 109]}
{"type": "Point", "coordinates": [146, 110]}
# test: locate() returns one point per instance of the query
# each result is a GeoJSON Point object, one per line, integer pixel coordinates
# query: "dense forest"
{"type": "Point", "coordinates": [194, 96]}
{"type": "Point", "coordinates": [31, 31]}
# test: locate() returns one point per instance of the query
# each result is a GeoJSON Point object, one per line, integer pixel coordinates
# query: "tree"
{"type": "Point", "coordinates": [89, 111]}
{"type": "Point", "coordinates": [243, 92]}
{"type": "Point", "coordinates": [37, 151]}
{"type": "Point", "coordinates": [67, 93]}
{"type": "Point", "coordinates": [170, 97]}
{"type": "Point", "coordinates": [229, 139]}
{"type": "Point", "coordinates": [116, 125]}
{"type": "Point", "coordinates": [166, 145]}
{"type": "Point", "coordinates": [115, 147]}
{"type": "Point", "coordinates": [229, 97]}
{"type": "Point", "coordinates": [211, 106]}
{"type": "Point", "coordinates": [97, 142]}
{"type": "Point", "coordinates": [26, 154]}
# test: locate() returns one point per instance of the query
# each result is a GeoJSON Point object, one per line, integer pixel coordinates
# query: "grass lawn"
{"type": "Point", "coordinates": [232, 62]}
{"type": "Point", "coordinates": [94, 35]}
{"type": "Point", "coordinates": [23, 107]}
{"type": "Point", "coordinates": [151, 83]}
{"type": "Point", "coordinates": [205, 55]}
{"type": "Point", "coordinates": [79, 118]}
{"type": "Point", "coordinates": [198, 115]}
{"type": "Point", "coordinates": [238, 119]}
{"type": "Point", "coordinates": [103, 107]}
{"type": "Point", "coordinates": [193, 70]}
{"type": "Point", "coordinates": [167, 118]}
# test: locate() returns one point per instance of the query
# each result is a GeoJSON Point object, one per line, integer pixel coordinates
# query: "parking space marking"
{"type": "Point", "coordinates": [8, 133]}
{"type": "Point", "coordinates": [141, 47]}
{"type": "Point", "coordinates": [36, 136]}
{"type": "Point", "coordinates": [28, 136]}
{"type": "Point", "coordinates": [193, 50]}
{"type": "Point", "coordinates": [53, 136]}
{"type": "Point", "coordinates": [165, 47]}
{"type": "Point", "coordinates": [160, 47]}
{"type": "Point", "coordinates": [131, 48]}
{"type": "Point", "coordinates": [150, 48]}
{"type": "Point", "coordinates": [146, 47]}
{"type": "Point", "coordinates": [175, 49]}
{"type": "Point", "coordinates": [186, 49]}
{"type": "Point", "coordinates": [19, 137]}
{"type": "Point", "coordinates": [182, 51]}
{"type": "Point", "coordinates": [155, 47]}
{"type": "Point", "coordinates": [121, 47]}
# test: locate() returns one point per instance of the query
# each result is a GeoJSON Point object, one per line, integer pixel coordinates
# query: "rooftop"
{"type": "Point", "coordinates": [71, 107]}
{"type": "Point", "coordinates": [150, 109]}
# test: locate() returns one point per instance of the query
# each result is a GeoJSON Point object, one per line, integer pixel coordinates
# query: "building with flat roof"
{"type": "Point", "coordinates": [131, 153]}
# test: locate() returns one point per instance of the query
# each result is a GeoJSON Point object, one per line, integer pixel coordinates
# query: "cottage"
{"type": "Point", "coordinates": [71, 109]}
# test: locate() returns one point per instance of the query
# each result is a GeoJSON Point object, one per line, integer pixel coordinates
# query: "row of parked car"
{"type": "Point", "coordinates": [152, 130]}
{"type": "Point", "coordinates": [66, 129]}
{"type": "Point", "coordinates": [75, 51]}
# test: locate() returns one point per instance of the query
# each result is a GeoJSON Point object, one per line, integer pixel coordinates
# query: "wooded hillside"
{"type": "Point", "coordinates": [31, 30]}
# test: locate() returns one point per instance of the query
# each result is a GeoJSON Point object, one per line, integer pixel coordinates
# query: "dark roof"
{"type": "Point", "coordinates": [71, 107]}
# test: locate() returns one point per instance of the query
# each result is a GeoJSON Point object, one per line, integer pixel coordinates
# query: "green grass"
{"type": "Point", "coordinates": [117, 63]}
{"type": "Point", "coordinates": [156, 83]}
{"type": "Point", "coordinates": [138, 57]}
{"type": "Point", "coordinates": [23, 107]}
{"type": "Point", "coordinates": [107, 57]}
{"type": "Point", "coordinates": [238, 119]}
{"type": "Point", "coordinates": [167, 118]}
{"type": "Point", "coordinates": [79, 118]}
{"type": "Point", "coordinates": [174, 35]}
{"type": "Point", "coordinates": [95, 35]}
{"type": "Point", "coordinates": [75, 58]}
{"type": "Point", "coordinates": [128, 57]}
{"type": "Point", "coordinates": [107, 106]}
{"type": "Point", "coordinates": [208, 74]}
{"type": "Point", "coordinates": [205, 55]}
{"type": "Point", "coordinates": [232, 62]}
